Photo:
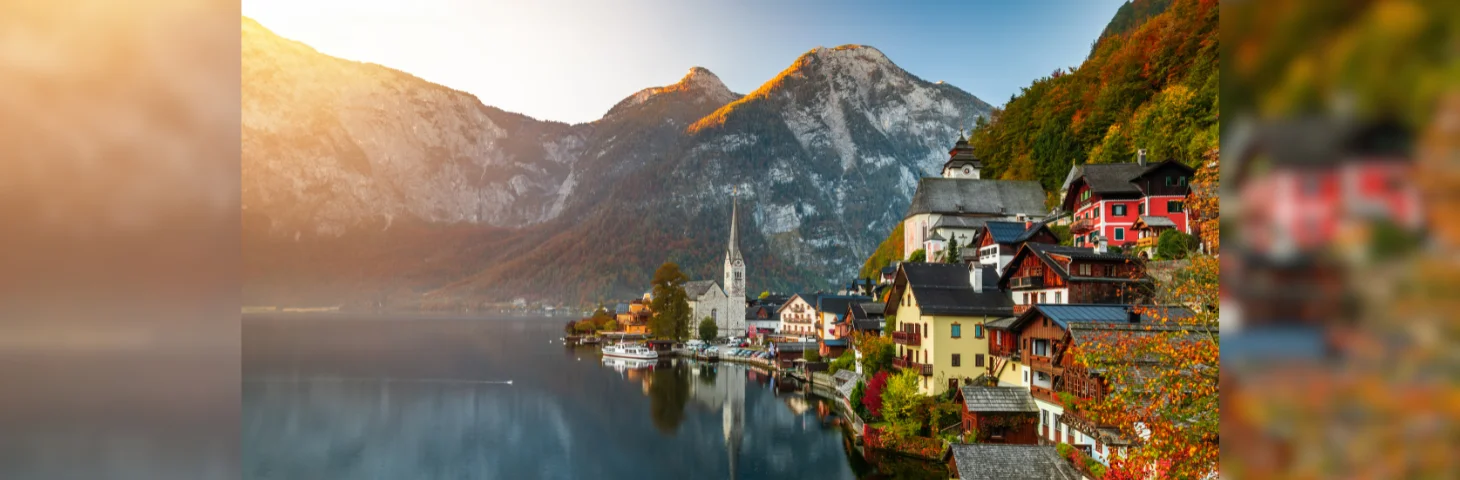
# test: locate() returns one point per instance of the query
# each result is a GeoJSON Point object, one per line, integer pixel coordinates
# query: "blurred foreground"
{"type": "Point", "coordinates": [1341, 283]}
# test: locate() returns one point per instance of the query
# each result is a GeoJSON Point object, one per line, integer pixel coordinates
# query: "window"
{"type": "Point", "coordinates": [1057, 297]}
{"type": "Point", "coordinates": [1056, 420]}
{"type": "Point", "coordinates": [957, 359]}
{"type": "Point", "coordinates": [978, 359]}
{"type": "Point", "coordinates": [1041, 297]}
{"type": "Point", "coordinates": [1120, 233]}
{"type": "Point", "coordinates": [957, 332]}
{"type": "Point", "coordinates": [1041, 347]}
{"type": "Point", "coordinates": [1085, 269]}
{"type": "Point", "coordinates": [977, 331]}
{"type": "Point", "coordinates": [1141, 208]}
{"type": "Point", "coordinates": [1173, 206]}
{"type": "Point", "coordinates": [1044, 416]}
{"type": "Point", "coordinates": [925, 330]}
{"type": "Point", "coordinates": [1117, 210]}
{"type": "Point", "coordinates": [1026, 377]}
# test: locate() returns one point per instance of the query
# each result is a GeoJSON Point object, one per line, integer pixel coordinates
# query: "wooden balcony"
{"type": "Point", "coordinates": [1026, 282]}
{"type": "Point", "coordinates": [1148, 242]}
{"type": "Point", "coordinates": [1008, 349]}
{"type": "Point", "coordinates": [907, 338]}
{"type": "Point", "coordinates": [924, 369]}
{"type": "Point", "coordinates": [1082, 226]}
{"type": "Point", "coordinates": [1020, 309]}
{"type": "Point", "coordinates": [1044, 364]}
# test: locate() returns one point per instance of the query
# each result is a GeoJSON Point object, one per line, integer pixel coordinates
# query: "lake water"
{"type": "Point", "coordinates": [359, 397]}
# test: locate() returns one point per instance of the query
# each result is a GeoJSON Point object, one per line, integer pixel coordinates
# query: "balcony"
{"type": "Point", "coordinates": [1082, 226]}
{"type": "Point", "coordinates": [1020, 309]}
{"type": "Point", "coordinates": [1044, 364]}
{"type": "Point", "coordinates": [1026, 282]}
{"type": "Point", "coordinates": [907, 338]}
{"type": "Point", "coordinates": [924, 369]}
{"type": "Point", "coordinates": [1147, 242]}
{"type": "Point", "coordinates": [1006, 349]}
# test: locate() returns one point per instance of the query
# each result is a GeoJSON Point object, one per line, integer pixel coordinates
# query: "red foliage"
{"type": "Point", "coordinates": [872, 397]}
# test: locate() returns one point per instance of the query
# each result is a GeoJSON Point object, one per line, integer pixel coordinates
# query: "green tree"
{"type": "Point", "coordinates": [890, 249]}
{"type": "Point", "coordinates": [670, 304]}
{"type": "Point", "coordinates": [918, 256]}
{"type": "Point", "coordinates": [902, 403]}
{"type": "Point", "coordinates": [891, 326]}
{"type": "Point", "coordinates": [844, 362]}
{"type": "Point", "coordinates": [877, 352]}
{"type": "Point", "coordinates": [611, 326]}
{"type": "Point", "coordinates": [953, 252]}
{"type": "Point", "coordinates": [812, 355]}
{"type": "Point", "coordinates": [1173, 245]}
{"type": "Point", "coordinates": [1062, 232]}
{"type": "Point", "coordinates": [708, 329]}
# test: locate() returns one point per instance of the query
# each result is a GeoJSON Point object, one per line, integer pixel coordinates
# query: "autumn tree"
{"type": "Point", "coordinates": [877, 352]}
{"type": "Point", "coordinates": [902, 403]}
{"type": "Point", "coordinates": [670, 304]}
{"type": "Point", "coordinates": [872, 397]}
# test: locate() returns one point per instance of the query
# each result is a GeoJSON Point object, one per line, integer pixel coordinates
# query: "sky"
{"type": "Point", "coordinates": [571, 60]}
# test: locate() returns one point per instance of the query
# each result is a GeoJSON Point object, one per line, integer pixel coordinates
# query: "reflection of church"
{"type": "Point", "coordinates": [726, 394]}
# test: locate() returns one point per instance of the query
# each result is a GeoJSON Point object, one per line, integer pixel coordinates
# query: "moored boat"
{"type": "Point", "coordinates": [633, 351]}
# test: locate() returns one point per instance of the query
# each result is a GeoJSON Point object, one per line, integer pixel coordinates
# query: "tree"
{"type": "Point", "coordinates": [891, 325]}
{"type": "Point", "coordinates": [670, 304]}
{"type": "Point", "coordinates": [901, 403]}
{"type": "Point", "coordinates": [813, 355]}
{"type": "Point", "coordinates": [611, 326]}
{"type": "Point", "coordinates": [1062, 232]}
{"type": "Point", "coordinates": [953, 254]}
{"type": "Point", "coordinates": [918, 256]}
{"type": "Point", "coordinates": [877, 352]}
{"type": "Point", "coordinates": [708, 329]}
{"type": "Point", "coordinates": [844, 362]}
{"type": "Point", "coordinates": [872, 397]}
{"type": "Point", "coordinates": [668, 394]}
{"type": "Point", "coordinates": [1174, 245]}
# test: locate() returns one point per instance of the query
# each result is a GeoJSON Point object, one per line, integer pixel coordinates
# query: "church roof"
{"type": "Point", "coordinates": [733, 252]}
{"type": "Point", "coordinates": [977, 196]}
{"type": "Point", "coordinates": [961, 154]}
{"type": "Point", "coordinates": [697, 288]}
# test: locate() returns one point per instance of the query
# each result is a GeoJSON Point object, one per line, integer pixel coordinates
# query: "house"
{"type": "Point", "coordinates": [960, 229]}
{"type": "Point", "coordinates": [941, 309]}
{"type": "Point", "coordinates": [798, 315]}
{"type": "Point", "coordinates": [832, 325]}
{"type": "Point", "coordinates": [1004, 353]}
{"type": "Point", "coordinates": [1046, 333]}
{"type": "Point", "coordinates": [994, 461]}
{"type": "Point", "coordinates": [999, 414]}
{"type": "Point", "coordinates": [961, 193]}
{"type": "Point", "coordinates": [762, 320]}
{"type": "Point", "coordinates": [634, 318]}
{"type": "Point", "coordinates": [788, 352]}
{"type": "Point", "coordinates": [1301, 184]}
{"type": "Point", "coordinates": [866, 317]}
{"type": "Point", "coordinates": [1054, 274]}
{"type": "Point", "coordinates": [706, 299]}
{"type": "Point", "coordinates": [998, 241]}
{"type": "Point", "coordinates": [1148, 229]}
{"type": "Point", "coordinates": [1106, 199]}
{"type": "Point", "coordinates": [888, 273]}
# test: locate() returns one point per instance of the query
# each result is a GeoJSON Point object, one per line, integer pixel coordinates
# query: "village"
{"type": "Point", "coordinates": [962, 349]}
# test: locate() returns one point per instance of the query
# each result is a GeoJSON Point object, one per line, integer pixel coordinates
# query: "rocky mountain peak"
{"type": "Point", "coordinates": [699, 84]}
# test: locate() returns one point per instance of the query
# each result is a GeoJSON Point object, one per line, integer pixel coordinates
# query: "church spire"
{"type": "Point", "coordinates": [734, 251]}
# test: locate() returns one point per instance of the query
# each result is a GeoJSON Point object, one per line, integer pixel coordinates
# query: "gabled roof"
{"type": "Point", "coordinates": [1155, 221]}
{"type": "Point", "coordinates": [809, 298]}
{"type": "Point", "coordinates": [1066, 315]}
{"type": "Point", "coordinates": [1002, 323]}
{"type": "Point", "coordinates": [997, 399]}
{"type": "Point", "coordinates": [999, 461]}
{"type": "Point", "coordinates": [1014, 232]}
{"type": "Point", "coordinates": [695, 289]}
{"type": "Point", "coordinates": [977, 196]}
{"type": "Point", "coordinates": [889, 270]}
{"type": "Point", "coordinates": [1107, 178]}
{"type": "Point", "coordinates": [838, 304]}
{"type": "Point", "coordinates": [961, 154]}
{"type": "Point", "coordinates": [953, 221]}
{"type": "Point", "coordinates": [943, 289]}
{"type": "Point", "coordinates": [1043, 252]}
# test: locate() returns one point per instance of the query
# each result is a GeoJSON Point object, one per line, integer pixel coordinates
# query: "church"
{"type": "Point", "coordinates": [726, 307]}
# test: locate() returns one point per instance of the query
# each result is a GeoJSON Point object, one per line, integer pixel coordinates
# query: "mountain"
{"type": "Point", "coordinates": [367, 186]}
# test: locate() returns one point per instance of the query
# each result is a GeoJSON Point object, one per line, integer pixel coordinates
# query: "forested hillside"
{"type": "Point", "coordinates": [1153, 87]}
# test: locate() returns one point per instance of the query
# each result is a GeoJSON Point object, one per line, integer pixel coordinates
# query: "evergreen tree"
{"type": "Point", "coordinates": [953, 252]}
{"type": "Point", "coordinates": [708, 329]}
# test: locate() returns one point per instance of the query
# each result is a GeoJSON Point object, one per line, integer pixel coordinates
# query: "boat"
{"type": "Point", "coordinates": [629, 350]}
{"type": "Point", "coordinates": [590, 341]}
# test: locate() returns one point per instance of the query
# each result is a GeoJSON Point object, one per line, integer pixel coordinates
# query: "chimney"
{"type": "Point", "coordinates": [1028, 224]}
{"type": "Point", "coordinates": [975, 276]}
{"type": "Point", "coordinates": [1141, 157]}
{"type": "Point", "coordinates": [1100, 244]}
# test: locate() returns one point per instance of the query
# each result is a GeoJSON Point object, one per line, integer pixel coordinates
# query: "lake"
{"type": "Point", "coordinates": [423, 397]}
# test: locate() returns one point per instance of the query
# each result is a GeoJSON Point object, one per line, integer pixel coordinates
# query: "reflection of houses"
{"type": "Point", "coordinates": [798, 315]}
{"type": "Point", "coordinates": [1046, 333]}
{"type": "Point", "coordinates": [1108, 198]}
{"type": "Point", "coordinates": [725, 393]}
{"type": "Point", "coordinates": [1054, 274]}
{"type": "Point", "coordinates": [999, 414]}
{"type": "Point", "coordinates": [965, 196]}
{"type": "Point", "coordinates": [991, 461]}
{"type": "Point", "coordinates": [941, 310]}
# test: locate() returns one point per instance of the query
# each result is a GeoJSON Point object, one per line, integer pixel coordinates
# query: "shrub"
{"type": "Point", "coordinates": [1174, 245]}
{"type": "Point", "coordinates": [918, 256]}
{"type": "Point", "coordinates": [813, 355]}
{"type": "Point", "coordinates": [1064, 449]}
{"type": "Point", "coordinates": [845, 362]}
{"type": "Point", "coordinates": [872, 398]}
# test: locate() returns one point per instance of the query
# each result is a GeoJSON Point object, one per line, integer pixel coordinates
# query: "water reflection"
{"type": "Point", "coordinates": [568, 413]}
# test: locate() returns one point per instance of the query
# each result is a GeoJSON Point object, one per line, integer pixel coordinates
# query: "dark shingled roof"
{"type": "Point", "coordinates": [1002, 323]}
{"type": "Point", "coordinates": [1012, 232]}
{"type": "Point", "coordinates": [1154, 221]}
{"type": "Point", "coordinates": [889, 270]}
{"type": "Point", "coordinates": [997, 461]}
{"type": "Point", "coordinates": [1067, 314]}
{"type": "Point", "coordinates": [621, 308]}
{"type": "Point", "coordinates": [838, 304]}
{"type": "Point", "coordinates": [998, 399]}
{"type": "Point", "coordinates": [1106, 178]}
{"type": "Point", "coordinates": [977, 196]}
{"type": "Point", "coordinates": [1044, 250]}
{"type": "Point", "coordinates": [943, 289]}
{"type": "Point", "coordinates": [696, 288]}
{"type": "Point", "coordinates": [951, 221]}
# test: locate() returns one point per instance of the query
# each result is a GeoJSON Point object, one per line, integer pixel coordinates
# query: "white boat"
{"type": "Point", "coordinates": [633, 351]}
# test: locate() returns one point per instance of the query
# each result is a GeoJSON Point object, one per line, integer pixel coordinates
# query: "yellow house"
{"type": "Point", "coordinates": [941, 310]}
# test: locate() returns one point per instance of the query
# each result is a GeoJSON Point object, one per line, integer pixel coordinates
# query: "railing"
{"type": "Point", "coordinates": [907, 338]}
{"type": "Point", "coordinates": [1007, 349]}
{"type": "Point", "coordinates": [924, 369]}
{"type": "Point", "coordinates": [1082, 226]}
{"type": "Point", "coordinates": [1045, 364]}
{"type": "Point", "coordinates": [1026, 282]}
{"type": "Point", "coordinates": [1020, 309]}
{"type": "Point", "coordinates": [1146, 242]}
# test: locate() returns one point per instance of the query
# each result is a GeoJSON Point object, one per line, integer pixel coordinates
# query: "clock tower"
{"type": "Point", "coordinates": [733, 323]}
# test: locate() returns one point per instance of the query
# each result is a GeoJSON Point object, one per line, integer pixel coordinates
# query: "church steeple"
{"type": "Point", "coordinates": [733, 253]}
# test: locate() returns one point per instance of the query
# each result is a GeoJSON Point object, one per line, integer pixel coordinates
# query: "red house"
{"type": "Point", "coordinates": [1108, 199]}
{"type": "Point", "coordinates": [999, 414]}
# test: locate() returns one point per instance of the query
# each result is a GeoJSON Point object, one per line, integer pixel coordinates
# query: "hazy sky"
{"type": "Point", "coordinates": [571, 60]}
